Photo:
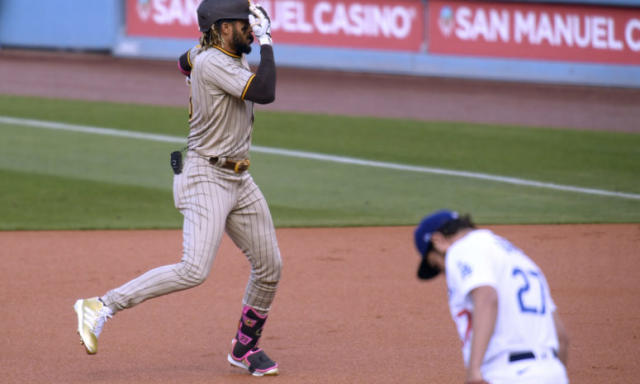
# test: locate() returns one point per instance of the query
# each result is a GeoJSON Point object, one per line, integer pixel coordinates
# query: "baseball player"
{"type": "Point", "coordinates": [212, 187]}
{"type": "Point", "coordinates": [499, 300]}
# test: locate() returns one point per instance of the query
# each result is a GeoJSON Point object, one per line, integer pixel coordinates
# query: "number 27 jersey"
{"type": "Point", "coordinates": [525, 308]}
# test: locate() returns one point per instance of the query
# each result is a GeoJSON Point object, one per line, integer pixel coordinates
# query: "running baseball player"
{"type": "Point", "coordinates": [212, 187]}
{"type": "Point", "coordinates": [499, 300]}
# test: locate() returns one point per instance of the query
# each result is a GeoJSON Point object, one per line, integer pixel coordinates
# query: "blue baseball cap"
{"type": "Point", "coordinates": [422, 236]}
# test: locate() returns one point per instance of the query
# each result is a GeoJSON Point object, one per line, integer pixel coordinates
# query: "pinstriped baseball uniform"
{"type": "Point", "coordinates": [211, 198]}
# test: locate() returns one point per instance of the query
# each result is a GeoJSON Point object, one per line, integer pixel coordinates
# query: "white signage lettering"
{"type": "Point", "coordinates": [348, 18]}
{"type": "Point", "coordinates": [490, 27]}
{"type": "Point", "coordinates": [291, 17]}
{"type": "Point", "coordinates": [633, 43]}
{"type": "Point", "coordinates": [495, 25]}
{"type": "Point", "coordinates": [524, 25]}
{"type": "Point", "coordinates": [166, 12]}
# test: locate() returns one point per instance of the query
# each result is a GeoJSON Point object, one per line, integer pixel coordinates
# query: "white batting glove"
{"type": "Point", "coordinates": [260, 23]}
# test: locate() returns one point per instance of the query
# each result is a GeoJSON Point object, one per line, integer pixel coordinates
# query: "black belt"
{"type": "Point", "coordinates": [521, 356]}
{"type": "Point", "coordinates": [236, 166]}
{"type": "Point", "coordinates": [517, 356]}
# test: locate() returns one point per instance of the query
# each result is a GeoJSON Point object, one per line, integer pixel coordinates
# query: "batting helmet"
{"type": "Point", "coordinates": [422, 236]}
{"type": "Point", "coordinates": [210, 11]}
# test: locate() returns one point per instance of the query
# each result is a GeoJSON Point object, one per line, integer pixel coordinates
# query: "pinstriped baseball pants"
{"type": "Point", "coordinates": [213, 200]}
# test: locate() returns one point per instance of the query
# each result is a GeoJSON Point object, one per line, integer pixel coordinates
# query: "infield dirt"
{"type": "Point", "coordinates": [349, 308]}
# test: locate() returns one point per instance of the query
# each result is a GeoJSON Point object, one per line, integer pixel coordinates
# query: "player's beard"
{"type": "Point", "coordinates": [240, 43]}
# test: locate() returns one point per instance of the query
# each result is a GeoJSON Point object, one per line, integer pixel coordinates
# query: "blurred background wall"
{"type": "Point", "coordinates": [61, 24]}
{"type": "Point", "coordinates": [591, 42]}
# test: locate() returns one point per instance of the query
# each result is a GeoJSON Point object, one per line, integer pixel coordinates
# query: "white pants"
{"type": "Point", "coordinates": [543, 369]}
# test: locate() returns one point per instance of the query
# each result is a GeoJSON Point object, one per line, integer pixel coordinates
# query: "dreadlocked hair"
{"type": "Point", "coordinates": [211, 37]}
{"type": "Point", "coordinates": [454, 226]}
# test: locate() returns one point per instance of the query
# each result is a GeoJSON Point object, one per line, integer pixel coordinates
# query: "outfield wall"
{"type": "Point", "coordinates": [593, 42]}
{"type": "Point", "coordinates": [61, 24]}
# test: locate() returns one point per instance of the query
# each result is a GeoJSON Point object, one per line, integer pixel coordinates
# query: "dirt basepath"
{"type": "Point", "coordinates": [349, 309]}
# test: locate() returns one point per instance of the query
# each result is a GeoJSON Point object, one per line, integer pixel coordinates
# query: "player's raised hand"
{"type": "Point", "coordinates": [260, 23]}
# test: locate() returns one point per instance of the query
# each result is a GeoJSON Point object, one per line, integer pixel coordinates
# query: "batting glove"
{"type": "Point", "coordinates": [260, 23]}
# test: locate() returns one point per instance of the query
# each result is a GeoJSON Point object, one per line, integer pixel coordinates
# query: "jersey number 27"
{"type": "Point", "coordinates": [531, 291]}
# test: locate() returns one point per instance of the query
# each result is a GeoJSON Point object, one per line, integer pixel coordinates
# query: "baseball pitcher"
{"type": "Point", "coordinates": [212, 186]}
{"type": "Point", "coordinates": [499, 300]}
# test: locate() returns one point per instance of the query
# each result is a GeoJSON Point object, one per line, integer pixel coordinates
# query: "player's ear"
{"type": "Point", "coordinates": [226, 27]}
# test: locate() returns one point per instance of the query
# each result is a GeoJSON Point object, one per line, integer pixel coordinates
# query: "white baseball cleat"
{"type": "Point", "coordinates": [92, 314]}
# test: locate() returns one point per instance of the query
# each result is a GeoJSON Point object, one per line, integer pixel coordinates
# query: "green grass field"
{"type": "Point", "coordinates": [57, 179]}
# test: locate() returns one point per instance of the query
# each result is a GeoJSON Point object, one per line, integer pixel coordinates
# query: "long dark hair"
{"type": "Point", "coordinates": [454, 226]}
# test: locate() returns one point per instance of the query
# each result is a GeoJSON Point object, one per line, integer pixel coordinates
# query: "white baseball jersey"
{"type": "Point", "coordinates": [525, 308]}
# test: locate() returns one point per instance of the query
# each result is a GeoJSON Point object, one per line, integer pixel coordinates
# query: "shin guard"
{"type": "Point", "coordinates": [249, 331]}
